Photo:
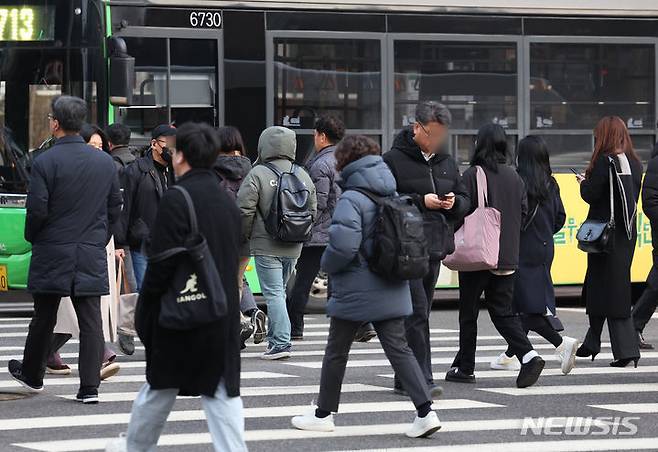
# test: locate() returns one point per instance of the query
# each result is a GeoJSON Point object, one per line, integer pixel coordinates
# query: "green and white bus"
{"type": "Point", "coordinates": [547, 67]}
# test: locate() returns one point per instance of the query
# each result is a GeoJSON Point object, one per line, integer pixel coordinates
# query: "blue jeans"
{"type": "Point", "coordinates": [152, 407]}
{"type": "Point", "coordinates": [273, 274]}
{"type": "Point", "coordinates": [139, 267]}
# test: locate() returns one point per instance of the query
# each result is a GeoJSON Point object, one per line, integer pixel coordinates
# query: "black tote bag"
{"type": "Point", "coordinates": [195, 296]}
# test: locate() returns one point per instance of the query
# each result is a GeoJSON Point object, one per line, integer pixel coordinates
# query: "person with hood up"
{"type": "Point", "coordinates": [232, 167]}
{"type": "Point", "coordinates": [358, 295]}
{"type": "Point", "coordinates": [275, 259]}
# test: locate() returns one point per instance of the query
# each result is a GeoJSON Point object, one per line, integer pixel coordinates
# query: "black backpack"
{"type": "Point", "coordinates": [399, 246]}
{"type": "Point", "coordinates": [289, 218]}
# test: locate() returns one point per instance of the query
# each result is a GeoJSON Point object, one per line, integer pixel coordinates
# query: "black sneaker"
{"type": "Point", "coordinates": [365, 333]}
{"type": "Point", "coordinates": [16, 371]}
{"type": "Point", "coordinates": [126, 344]}
{"type": "Point", "coordinates": [258, 320]}
{"type": "Point", "coordinates": [274, 354]}
{"type": "Point", "coordinates": [246, 330]}
{"type": "Point", "coordinates": [90, 398]}
{"type": "Point", "coordinates": [529, 373]}
{"type": "Point", "coordinates": [457, 376]}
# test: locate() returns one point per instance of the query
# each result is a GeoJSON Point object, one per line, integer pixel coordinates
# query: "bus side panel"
{"type": "Point", "coordinates": [15, 252]}
{"type": "Point", "coordinates": [570, 263]}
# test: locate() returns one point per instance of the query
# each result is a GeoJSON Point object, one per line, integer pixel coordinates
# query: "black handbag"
{"type": "Point", "coordinates": [195, 296]}
{"type": "Point", "coordinates": [595, 236]}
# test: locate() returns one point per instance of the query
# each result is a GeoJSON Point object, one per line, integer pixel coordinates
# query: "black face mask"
{"type": "Point", "coordinates": [166, 155]}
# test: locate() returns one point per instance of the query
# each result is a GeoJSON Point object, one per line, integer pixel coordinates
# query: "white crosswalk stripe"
{"type": "Point", "coordinates": [368, 409]}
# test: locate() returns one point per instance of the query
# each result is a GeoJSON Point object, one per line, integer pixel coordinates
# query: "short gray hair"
{"type": "Point", "coordinates": [431, 111]}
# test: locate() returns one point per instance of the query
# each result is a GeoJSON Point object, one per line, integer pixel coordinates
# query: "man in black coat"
{"type": "Point", "coordinates": [431, 178]}
{"type": "Point", "coordinates": [203, 361]}
{"type": "Point", "coordinates": [144, 182]}
{"type": "Point", "coordinates": [72, 203]}
{"type": "Point", "coordinates": [647, 303]}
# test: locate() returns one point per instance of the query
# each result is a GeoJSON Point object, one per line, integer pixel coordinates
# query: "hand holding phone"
{"type": "Point", "coordinates": [579, 176]}
{"type": "Point", "coordinates": [447, 201]}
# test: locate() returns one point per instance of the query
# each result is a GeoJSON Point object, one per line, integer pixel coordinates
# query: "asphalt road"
{"type": "Point", "coordinates": [487, 416]}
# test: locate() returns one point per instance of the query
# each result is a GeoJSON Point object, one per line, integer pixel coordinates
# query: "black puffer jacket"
{"type": "Point", "coordinates": [142, 191]}
{"type": "Point", "coordinates": [232, 169]}
{"type": "Point", "coordinates": [72, 203]}
{"type": "Point", "coordinates": [417, 177]}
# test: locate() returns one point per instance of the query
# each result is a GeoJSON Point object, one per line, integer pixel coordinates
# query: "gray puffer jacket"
{"type": "Point", "coordinates": [277, 146]}
{"type": "Point", "coordinates": [357, 294]}
{"type": "Point", "coordinates": [322, 168]}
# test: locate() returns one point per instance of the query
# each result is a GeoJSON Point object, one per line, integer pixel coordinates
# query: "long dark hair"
{"type": "Point", "coordinates": [490, 147]}
{"type": "Point", "coordinates": [534, 167]}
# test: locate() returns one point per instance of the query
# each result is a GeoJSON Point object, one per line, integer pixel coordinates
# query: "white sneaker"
{"type": "Point", "coordinates": [504, 362]}
{"type": "Point", "coordinates": [309, 421]}
{"type": "Point", "coordinates": [424, 427]}
{"type": "Point", "coordinates": [117, 445]}
{"type": "Point", "coordinates": [566, 353]}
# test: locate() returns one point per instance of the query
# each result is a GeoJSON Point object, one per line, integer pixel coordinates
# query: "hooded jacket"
{"type": "Point", "coordinates": [277, 146]}
{"type": "Point", "coordinates": [358, 294]}
{"type": "Point", "coordinates": [122, 156]}
{"type": "Point", "coordinates": [232, 169]}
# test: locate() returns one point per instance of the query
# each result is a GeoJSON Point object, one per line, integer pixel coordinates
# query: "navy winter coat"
{"type": "Point", "coordinates": [533, 292]}
{"type": "Point", "coordinates": [357, 294]}
{"type": "Point", "coordinates": [322, 169]}
{"type": "Point", "coordinates": [73, 202]}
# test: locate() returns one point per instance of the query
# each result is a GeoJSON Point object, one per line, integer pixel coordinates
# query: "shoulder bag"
{"type": "Point", "coordinates": [594, 236]}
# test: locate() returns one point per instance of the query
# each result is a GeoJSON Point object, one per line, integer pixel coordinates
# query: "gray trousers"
{"type": "Point", "coordinates": [151, 408]}
{"type": "Point", "coordinates": [623, 337]}
{"type": "Point", "coordinates": [391, 334]}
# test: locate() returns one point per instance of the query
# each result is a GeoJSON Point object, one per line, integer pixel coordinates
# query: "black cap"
{"type": "Point", "coordinates": [163, 130]}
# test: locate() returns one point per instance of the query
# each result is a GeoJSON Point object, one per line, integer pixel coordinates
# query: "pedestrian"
{"type": "Point", "coordinates": [67, 323]}
{"type": "Point", "coordinates": [426, 172]}
{"type": "Point", "coordinates": [205, 360]}
{"type": "Point", "coordinates": [275, 259]}
{"type": "Point", "coordinates": [646, 305]}
{"type": "Point", "coordinates": [119, 142]}
{"type": "Point", "coordinates": [506, 193]}
{"type": "Point", "coordinates": [144, 184]}
{"type": "Point", "coordinates": [534, 297]}
{"type": "Point", "coordinates": [233, 166]}
{"type": "Point", "coordinates": [321, 166]}
{"type": "Point", "coordinates": [95, 136]}
{"type": "Point", "coordinates": [72, 205]}
{"type": "Point", "coordinates": [607, 286]}
{"type": "Point", "coordinates": [358, 295]}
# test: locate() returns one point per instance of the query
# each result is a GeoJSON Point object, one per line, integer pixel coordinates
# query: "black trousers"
{"type": "Point", "coordinates": [540, 325]}
{"type": "Point", "coordinates": [40, 336]}
{"type": "Point", "coordinates": [392, 338]}
{"type": "Point", "coordinates": [417, 325]}
{"type": "Point", "coordinates": [498, 296]}
{"type": "Point", "coordinates": [623, 337]}
{"type": "Point", "coordinates": [308, 266]}
{"type": "Point", "coordinates": [647, 303]}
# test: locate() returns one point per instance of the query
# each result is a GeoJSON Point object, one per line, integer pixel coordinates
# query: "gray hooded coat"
{"type": "Point", "coordinates": [357, 294]}
{"type": "Point", "coordinates": [322, 168]}
{"type": "Point", "coordinates": [276, 145]}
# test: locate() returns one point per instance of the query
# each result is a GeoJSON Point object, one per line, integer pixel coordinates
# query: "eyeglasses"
{"type": "Point", "coordinates": [427, 132]}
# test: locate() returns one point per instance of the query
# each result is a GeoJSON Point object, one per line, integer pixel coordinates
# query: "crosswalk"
{"type": "Point", "coordinates": [490, 416]}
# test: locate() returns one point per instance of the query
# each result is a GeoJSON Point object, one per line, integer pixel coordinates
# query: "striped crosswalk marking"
{"type": "Point", "coordinates": [376, 421]}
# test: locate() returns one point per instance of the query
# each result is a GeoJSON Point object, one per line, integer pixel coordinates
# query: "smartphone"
{"type": "Point", "coordinates": [575, 172]}
{"type": "Point", "coordinates": [446, 197]}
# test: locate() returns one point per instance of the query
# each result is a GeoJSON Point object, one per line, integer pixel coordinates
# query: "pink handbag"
{"type": "Point", "coordinates": [477, 242]}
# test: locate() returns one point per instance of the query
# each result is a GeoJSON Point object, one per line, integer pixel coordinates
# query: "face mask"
{"type": "Point", "coordinates": [166, 155]}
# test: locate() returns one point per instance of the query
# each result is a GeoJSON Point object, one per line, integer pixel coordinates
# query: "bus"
{"type": "Point", "coordinates": [550, 68]}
